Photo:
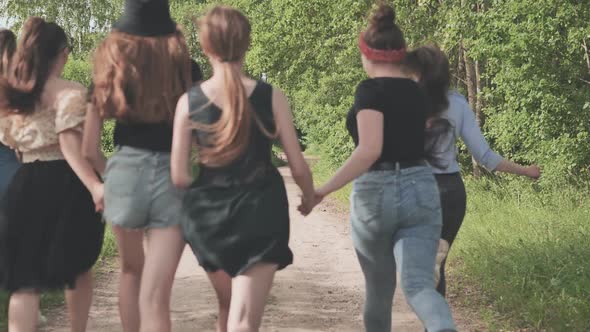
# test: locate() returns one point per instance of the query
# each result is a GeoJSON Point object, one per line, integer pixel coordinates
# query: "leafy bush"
{"type": "Point", "coordinates": [526, 250]}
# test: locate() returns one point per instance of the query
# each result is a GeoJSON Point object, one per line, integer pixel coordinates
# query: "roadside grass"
{"type": "Point", "coordinates": [521, 258]}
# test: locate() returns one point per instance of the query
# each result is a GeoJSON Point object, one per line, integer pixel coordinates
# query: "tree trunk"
{"type": "Point", "coordinates": [479, 85]}
{"type": "Point", "coordinates": [460, 73]}
{"type": "Point", "coordinates": [587, 55]}
{"type": "Point", "coordinates": [471, 81]}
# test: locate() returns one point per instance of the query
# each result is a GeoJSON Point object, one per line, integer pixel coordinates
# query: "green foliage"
{"type": "Point", "coordinates": [78, 71]}
{"type": "Point", "coordinates": [523, 249]}
{"type": "Point", "coordinates": [527, 252]}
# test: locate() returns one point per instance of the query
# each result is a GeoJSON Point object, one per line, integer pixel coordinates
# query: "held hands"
{"type": "Point", "coordinates": [309, 203]}
{"type": "Point", "coordinates": [97, 193]}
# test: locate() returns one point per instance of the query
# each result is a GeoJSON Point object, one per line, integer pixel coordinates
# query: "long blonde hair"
{"type": "Point", "coordinates": [140, 79]}
{"type": "Point", "coordinates": [225, 34]}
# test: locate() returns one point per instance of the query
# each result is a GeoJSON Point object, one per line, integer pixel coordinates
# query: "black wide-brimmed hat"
{"type": "Point", "coordinates": [146, 18]}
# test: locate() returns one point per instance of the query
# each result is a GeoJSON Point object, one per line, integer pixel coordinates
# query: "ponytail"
{"type": "Point", "coordinates": [225, 34]}
{"type": "Point", "coordinates": [37, 50]}
{"type": "Point", "coordinates": [7, 48]}
{"type": "Point", "coordinates": [231, 133]}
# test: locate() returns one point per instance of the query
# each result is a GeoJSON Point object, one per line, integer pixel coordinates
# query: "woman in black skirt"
{"type": "Point", "coordinates": [237, 219]}
{"type": "Point", "coordinates": [50, 231]}
{"type": "Point", "coordinates": [429, 66]}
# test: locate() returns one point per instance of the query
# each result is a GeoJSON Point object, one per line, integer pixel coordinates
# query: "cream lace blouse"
{"type": "Point", "coordinates": [35, 136]}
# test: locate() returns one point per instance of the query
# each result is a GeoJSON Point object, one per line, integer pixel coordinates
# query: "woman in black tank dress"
{"type": "Point", "coordinates": [237, 214]}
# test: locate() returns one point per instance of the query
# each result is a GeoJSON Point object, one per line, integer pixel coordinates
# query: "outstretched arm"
{"type": "Point", "coordinates": [181, 146]}
{"type": "Point", "coordinates": [483, 154]}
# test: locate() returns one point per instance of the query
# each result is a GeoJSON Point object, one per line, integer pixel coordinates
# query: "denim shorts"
{"type": "Point", "coordinates": [139, 193]}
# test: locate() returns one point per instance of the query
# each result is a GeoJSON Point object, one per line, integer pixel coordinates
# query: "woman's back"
{"type": "Point", "coordinates": [255, 161]}
{"type": "Point", "coordinates": [404, 109]}
{"type": "Point", "coordinates": [465, 126]}
{"type": "Point", "coordinates": [62, 106]}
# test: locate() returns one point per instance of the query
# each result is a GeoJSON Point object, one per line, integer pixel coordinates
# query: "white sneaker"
{"type": "Point", "coordinates": [441, 254]}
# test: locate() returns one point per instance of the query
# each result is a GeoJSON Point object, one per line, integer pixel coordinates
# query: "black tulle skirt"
{"type": "Point", "coordinates": [49, 231]}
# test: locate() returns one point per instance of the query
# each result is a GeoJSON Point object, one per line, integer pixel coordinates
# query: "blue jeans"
{"type": "Point", "coordinates": [396, 225]}
{"type": "Point", "coordinates": [8, 166]}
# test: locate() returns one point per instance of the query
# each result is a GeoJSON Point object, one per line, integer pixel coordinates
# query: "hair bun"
{"type": "Point", "coordinates": [383, 18]}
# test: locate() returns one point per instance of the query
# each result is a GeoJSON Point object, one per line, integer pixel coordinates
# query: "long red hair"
{"type": "Point", "coordinates": [38, 48]}
{"type": "Point", "coordinates": [140, 79]}
{"type": "Point", "coordinates": [225, 34]}
{"type": "Point", "coordinates": [7, 48]}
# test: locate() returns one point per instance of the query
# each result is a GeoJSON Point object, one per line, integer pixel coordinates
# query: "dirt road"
{"type": "Point", "coordinates": [321, 291]}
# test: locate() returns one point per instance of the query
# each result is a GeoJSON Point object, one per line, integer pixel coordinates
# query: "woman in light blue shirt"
{"type": "Point", "coordinates": [429, 66]}
{"type": "Point", "coordinates": [8, 162]}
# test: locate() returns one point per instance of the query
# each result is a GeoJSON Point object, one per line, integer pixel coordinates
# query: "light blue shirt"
{"type": "Point", "coordinates": [464, 125]}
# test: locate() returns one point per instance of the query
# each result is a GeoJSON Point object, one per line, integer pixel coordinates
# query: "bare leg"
{"type": "Point", "coordinates": [130, 244]}
{"type": "Point", "coordinates": [23, 311]}
{"type": "Point", "coordinates": [79, 301]}
{"type": "Point", "coordinates": [221, 282]}
{"type": "Point", "coordinates": [163, 254]}
{"type": "Point", "coordinates": [249, 294]}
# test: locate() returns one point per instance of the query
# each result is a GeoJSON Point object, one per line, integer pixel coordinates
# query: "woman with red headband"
{"type": "Point", "coordinates": [395, 207]}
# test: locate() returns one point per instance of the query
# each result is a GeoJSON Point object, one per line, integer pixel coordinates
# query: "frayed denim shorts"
{"type": "Point", "coordinates": [139, 193]}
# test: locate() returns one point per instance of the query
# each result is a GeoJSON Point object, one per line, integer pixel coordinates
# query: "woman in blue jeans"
{"type": "Point", "coordinates": [395, 208]}
{"type": "Point", "coordinates": [8, 162]}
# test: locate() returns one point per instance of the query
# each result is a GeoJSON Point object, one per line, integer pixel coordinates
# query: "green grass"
{"type": "Point", "coordinates": [521, 258]}
{"type": "Point", "coordinates": [527, 251]}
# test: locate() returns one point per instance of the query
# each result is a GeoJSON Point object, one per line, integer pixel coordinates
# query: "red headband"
{"type": "Point", "coordinates": [374, 54]}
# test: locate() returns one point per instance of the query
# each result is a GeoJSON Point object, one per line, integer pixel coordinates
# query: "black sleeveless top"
{"type": "Point", "coordinates": [150, 136]}
{"type": "Point", "coordinates": [238, 215]}
{"type": "Point", "coordinates": [256, 160]}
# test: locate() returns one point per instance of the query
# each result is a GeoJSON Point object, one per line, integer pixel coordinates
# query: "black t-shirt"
{"type": "Point", "coordinates": [404, 107]}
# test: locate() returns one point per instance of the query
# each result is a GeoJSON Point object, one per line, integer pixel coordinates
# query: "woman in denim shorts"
{"type": "Point", "coordinates": [395, 207]}
{"type": "Point", "coordinates": [140, 71]}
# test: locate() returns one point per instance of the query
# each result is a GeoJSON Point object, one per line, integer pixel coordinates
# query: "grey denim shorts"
{"type": "Point", "coordinates": [139, 193]}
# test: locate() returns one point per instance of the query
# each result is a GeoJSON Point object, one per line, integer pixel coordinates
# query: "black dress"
{"type": "Point", "coordinates": [238, 215]}
{"type": "Point", "coordinates": [49, 230]}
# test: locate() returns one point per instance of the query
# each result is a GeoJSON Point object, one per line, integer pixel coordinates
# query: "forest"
{"type": "Point", "coordinates": [524, 66]}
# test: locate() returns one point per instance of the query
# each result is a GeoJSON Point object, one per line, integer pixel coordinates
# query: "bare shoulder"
{"type": "Point", "coordinates": [71, 86]}
{"type": "Point", "coordinates": [279, 98]}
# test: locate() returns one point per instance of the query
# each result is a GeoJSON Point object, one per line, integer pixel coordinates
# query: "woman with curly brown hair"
{"type": "Point", "coordinates": [50, 232]}
{"type": "Point", "coordinates": [429, 66]}
{"type": "Point", "coordinates": [8, 161]}
{"type": "Point", "coordinates": [237, 213]}
{"type": "Point", "coordinates": [140, 71]}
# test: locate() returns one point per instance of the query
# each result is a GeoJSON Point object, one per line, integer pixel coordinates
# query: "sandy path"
{"type": "Point", "coordinates": [321, 291]}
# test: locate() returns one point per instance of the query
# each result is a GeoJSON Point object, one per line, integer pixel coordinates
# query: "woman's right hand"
{"type": "Point", "coordinates": [97, 193]}
{"type": "Point", "coordinates": [533, 172]}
